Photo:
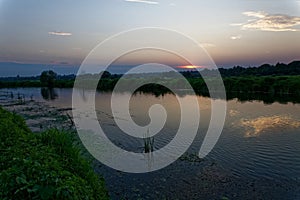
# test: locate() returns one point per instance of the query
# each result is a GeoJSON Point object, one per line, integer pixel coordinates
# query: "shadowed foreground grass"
{"type": "Point", "coordinates": [48, 165]}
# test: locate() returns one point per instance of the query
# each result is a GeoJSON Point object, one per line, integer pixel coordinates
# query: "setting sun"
{"type": "Point", "coordinates": [189, 67]}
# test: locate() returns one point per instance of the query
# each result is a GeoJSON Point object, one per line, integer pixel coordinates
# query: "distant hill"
{"type": "Point", "coordinates": [35, 78]}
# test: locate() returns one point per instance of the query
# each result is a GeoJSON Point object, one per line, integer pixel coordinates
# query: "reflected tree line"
{"type": "Point", "coordinates": [47, 80]}
{"type": "Point", "coordinates": [267, 98]}
{"type": "Point", "coordinates": [49, 93]}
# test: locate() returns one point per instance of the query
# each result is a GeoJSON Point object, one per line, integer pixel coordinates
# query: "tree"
{"type": "Point", "coordinates": [48, 78]}
{"type": "Point", "coordinates": [105, 74]}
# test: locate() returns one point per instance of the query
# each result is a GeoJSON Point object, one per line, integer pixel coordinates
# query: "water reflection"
{"type": "Point", "coordinates": [233, 113]}
{"type": "Point", "coordinates": [266, 98]}
{"type": "Point", "coordinates": [49, 93]}
{"type": "Point", "coordinates": [255, 127]}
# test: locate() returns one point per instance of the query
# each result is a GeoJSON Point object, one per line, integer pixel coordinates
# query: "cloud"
{"type": "Point", "coordinates": [208, 45]}
{"type": "Point", "coordinates": [237, 24]}
{"type": "Point", "coordinates": [77, 49]}
{"type": "Point", "coordinates": [254, 127]}
{"type": "Point", "coordinates": [55, 62]}
{"type": "Point", "coordinates": [236, 37]}
{"type": "Point", "coordinates": [59, 33]}
{"type": "Point", "coordinates": [259, 14]}
{"type": "Point", "coordinates": [143, 1]}
{"type": "Point", "coordinates": [269, 22]}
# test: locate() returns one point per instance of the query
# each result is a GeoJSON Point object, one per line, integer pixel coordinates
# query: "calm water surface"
{"type": "Point", "coordinates": [259, 142]}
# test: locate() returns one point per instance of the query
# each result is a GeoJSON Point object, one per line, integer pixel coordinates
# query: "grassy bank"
{"type": "Point", "coordinates": [48, 165]}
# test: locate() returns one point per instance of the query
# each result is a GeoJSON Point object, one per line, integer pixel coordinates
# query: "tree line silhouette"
{"type": "Point", "coordinates": [270, 80]}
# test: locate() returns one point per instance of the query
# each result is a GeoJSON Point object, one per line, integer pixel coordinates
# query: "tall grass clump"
{"type": "Point", "coordinates": [148, 143]}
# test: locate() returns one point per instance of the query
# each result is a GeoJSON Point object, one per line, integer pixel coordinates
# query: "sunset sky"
{"type": "Point", "coordinates": [60, 33]}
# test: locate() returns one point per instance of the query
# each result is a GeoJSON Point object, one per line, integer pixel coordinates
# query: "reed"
{"type": "Point", "coordinates": [148, 143]}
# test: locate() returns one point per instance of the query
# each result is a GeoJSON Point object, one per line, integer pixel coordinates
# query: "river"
{"type": "Point", "coordinates": [257, 154]}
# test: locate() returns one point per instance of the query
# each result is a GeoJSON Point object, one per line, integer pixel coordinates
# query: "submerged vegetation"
{"type": "Point", "coordinates": [47, 165]}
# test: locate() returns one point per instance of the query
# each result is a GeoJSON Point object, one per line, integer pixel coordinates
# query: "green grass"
{"type": "Point", "coordinates": [43, 166]}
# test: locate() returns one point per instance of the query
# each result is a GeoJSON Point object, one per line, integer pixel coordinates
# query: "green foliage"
{"type": "Point", "coordinates": [264, 84]}
{"type": "Point", "coordinates": [15, 84]}
{"type": "Point", "coordinates": [279, 69]}
{"type": "Point", "coordinates": [43, 166]}
{"type": "Point", "coordinates": [64, 83]}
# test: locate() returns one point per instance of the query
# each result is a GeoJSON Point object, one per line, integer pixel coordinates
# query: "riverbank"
{"type": "Point", "coordinates": [48, 165]}
{"type": "Point", "coordinates": [276, 86]}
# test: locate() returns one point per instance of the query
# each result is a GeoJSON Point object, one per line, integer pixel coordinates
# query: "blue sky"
{"type": "Point", "coordinates": [62, 32]}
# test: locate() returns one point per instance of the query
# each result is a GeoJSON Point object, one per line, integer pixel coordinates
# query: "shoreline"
{"type": "Point", "coordinates": [44, 164]}
{"type": "Point", "coordinates": [39, 116]}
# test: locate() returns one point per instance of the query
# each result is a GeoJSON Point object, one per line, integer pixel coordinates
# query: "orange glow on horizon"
{"type": "Point", "coordinates": [190, 67]}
